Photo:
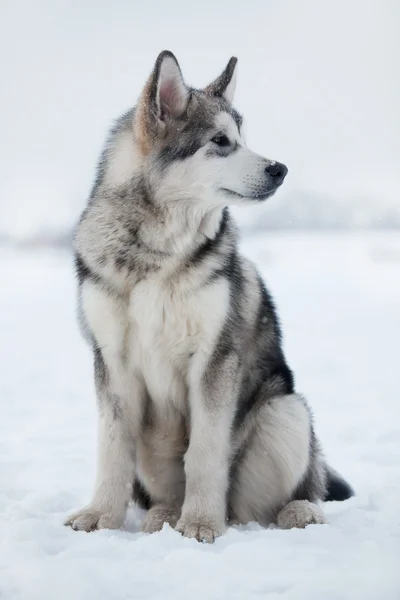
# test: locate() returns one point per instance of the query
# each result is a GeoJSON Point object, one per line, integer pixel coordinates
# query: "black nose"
{"type": "Point", "coordinates": [278, 171]}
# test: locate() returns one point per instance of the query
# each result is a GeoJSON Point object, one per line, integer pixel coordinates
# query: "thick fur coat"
{"type": "Point", "coordinates": [198, 414]}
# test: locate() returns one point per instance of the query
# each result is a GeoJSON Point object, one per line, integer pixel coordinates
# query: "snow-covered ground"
{"type": "Point", "coordinates": [339, 300]}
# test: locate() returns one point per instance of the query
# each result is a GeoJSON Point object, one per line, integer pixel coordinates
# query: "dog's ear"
{"type": "Point", "coordinates": [164, 97]}
{"type": "Point", "coordinates": [224, 86]}
{"type": "Point", "coordinates": [170, 92]}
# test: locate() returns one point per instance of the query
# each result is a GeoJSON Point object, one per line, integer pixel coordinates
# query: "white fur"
{"type": "Point", "coordinates": [123, 154]}
{"type": "Point", "coordinates": [198, 180]}
{"type": "Point", "coordinates": [158, 515]}
{"type": "Point", "coordinates": [207, 459]}
{"type": "Point", "coordinates": [168, 322]}
{"type": "Point", "coordinates": [299, 514]}
{"type": "Point", "coordinates": [115, 473]}
{"type": "Point", "coordinates": [275, 462]}
{"type": "Point", "coordinates": [150, 338]}
{"type": "Point", "coordinates": [106, 317]}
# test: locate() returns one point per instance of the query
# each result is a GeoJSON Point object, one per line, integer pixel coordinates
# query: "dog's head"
{"type": "Point", "coordinates": [191, 144]}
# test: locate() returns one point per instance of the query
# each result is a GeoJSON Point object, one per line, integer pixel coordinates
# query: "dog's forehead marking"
{"type": "Point", "coordinates": [226, 123]}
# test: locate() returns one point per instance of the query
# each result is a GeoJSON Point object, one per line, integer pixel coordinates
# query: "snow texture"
{"type": "Point", "coordinates": [339, 300]}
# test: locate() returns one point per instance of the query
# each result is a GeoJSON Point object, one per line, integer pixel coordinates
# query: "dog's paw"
{"type": "Point", "coordinates": [91, 518]}
{"type": "Point", "coordinates": [157, 516]}
{"type": "Point", "coordinates": [202, 531]}
{"type": "Point", "coordinates": [299, 514]}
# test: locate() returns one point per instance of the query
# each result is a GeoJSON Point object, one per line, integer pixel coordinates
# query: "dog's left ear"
{"type": "Point", "coordinates": [224, 86]}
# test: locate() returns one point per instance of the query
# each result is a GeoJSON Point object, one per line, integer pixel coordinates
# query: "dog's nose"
{"type": "Point", "coordinates": [277, 171]}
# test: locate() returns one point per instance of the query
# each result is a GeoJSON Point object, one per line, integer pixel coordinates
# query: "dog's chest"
{"type": "Point", "coordinates": [158, 331]}
{"type": "Point", "coordinates": [169, 324]}
{"type": "Point", "coordinates": [164, 322]}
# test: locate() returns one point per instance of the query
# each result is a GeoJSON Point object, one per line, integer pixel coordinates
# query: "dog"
{"type": "Point", "coordinates": [199, 420]}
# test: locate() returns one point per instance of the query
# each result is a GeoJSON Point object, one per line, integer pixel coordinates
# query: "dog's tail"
{"type": "Point", "coordinates": [337, 488]}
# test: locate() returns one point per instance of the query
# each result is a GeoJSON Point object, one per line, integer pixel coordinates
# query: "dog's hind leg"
{"type": "Point", "coordinates": [278, 463]}
{"type": "Point", "coordinates": [299, 513]}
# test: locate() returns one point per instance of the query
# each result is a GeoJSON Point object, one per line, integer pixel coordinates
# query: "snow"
{"type": "Point", "coordinates": [339, 299]}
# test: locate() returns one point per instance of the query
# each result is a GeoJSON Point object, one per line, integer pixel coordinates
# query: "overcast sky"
{"type": "Point", "coordinates": [319, 86]}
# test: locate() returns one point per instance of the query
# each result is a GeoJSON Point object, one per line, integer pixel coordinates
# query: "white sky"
{"type": "Point", "coordinates": [319, 85]}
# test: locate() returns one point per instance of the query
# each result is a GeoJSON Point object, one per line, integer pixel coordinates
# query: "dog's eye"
{"type": "Point", "coordinates": [220, 140]}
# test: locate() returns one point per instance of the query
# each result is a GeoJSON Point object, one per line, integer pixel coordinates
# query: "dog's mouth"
{"type": "Point", "coordinates": [258, 196]}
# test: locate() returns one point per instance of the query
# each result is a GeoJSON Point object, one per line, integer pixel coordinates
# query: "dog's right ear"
{"type": "Point", "coordinates": [170, 94]}
{"type": "Point", "coordinates": [164, 97]}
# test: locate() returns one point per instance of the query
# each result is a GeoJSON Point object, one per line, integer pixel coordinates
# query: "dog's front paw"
{"type": "Point", "coordinates": [91, 518]}
{"type": "Point", "coordinates": [157, 516]}
{"type": "Point", "coordinates": [201, 529]}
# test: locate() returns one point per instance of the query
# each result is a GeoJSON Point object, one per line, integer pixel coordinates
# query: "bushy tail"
{"type": "Point", "coordinates": [337, 488]}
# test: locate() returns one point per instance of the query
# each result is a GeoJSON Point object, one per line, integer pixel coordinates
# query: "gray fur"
{"type": "Point", "coordinates": [198, 409]}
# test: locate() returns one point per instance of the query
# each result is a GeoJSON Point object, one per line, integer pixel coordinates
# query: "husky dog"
{"type": "Point", "coordinates": [199, 420]}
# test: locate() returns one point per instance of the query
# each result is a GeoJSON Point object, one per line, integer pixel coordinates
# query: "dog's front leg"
{"type": "Point", "coordinates": [116, 454]}
{"type": "Point", "coordinates": [212, 399]}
